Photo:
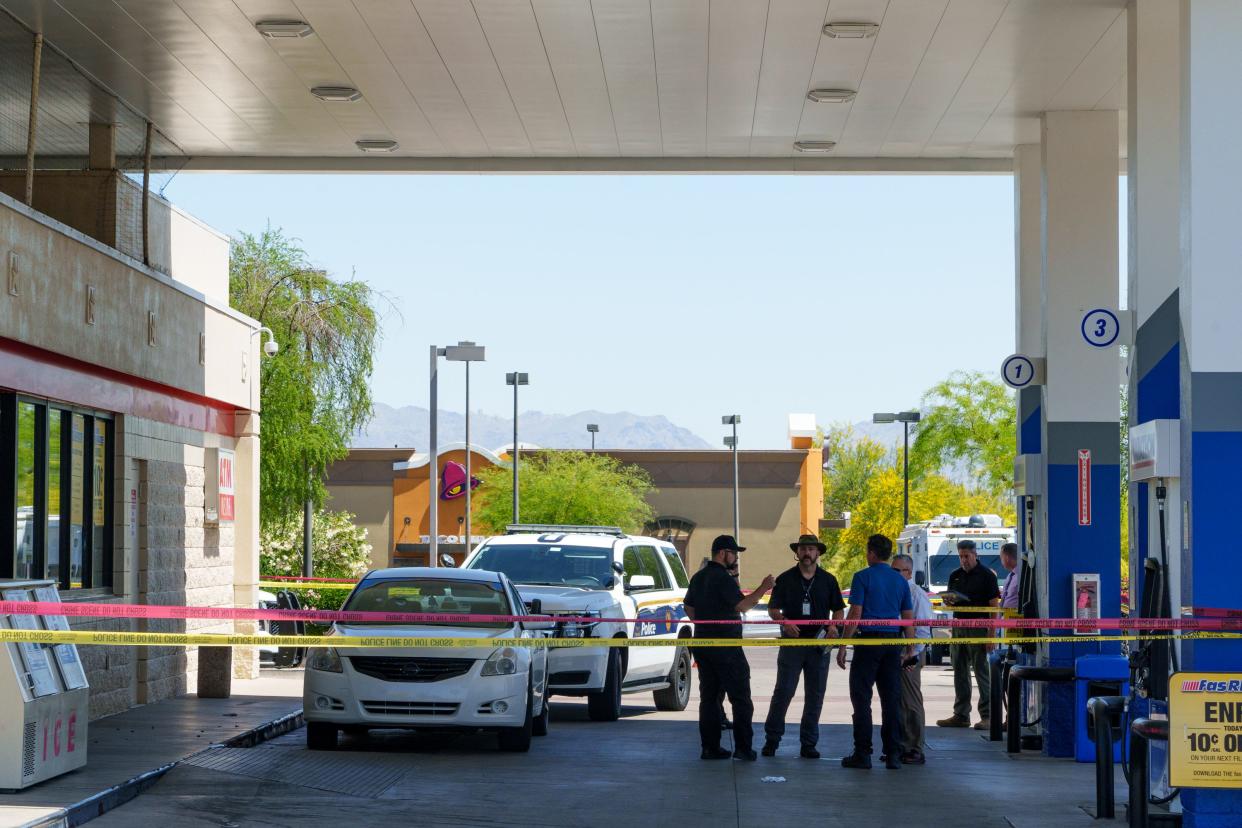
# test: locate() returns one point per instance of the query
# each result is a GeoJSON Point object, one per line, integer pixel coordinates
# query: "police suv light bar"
{"type": "Point", "coordinates": [546, 528]}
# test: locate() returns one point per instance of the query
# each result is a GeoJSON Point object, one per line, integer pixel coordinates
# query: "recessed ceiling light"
{"type": "Point", "coordinates": [814, 146]}
{"type": "Point", "coordinates": [284, 28]}
{"type": "Point", "coordinates": [376, 145]}
{"type": "Point", "coordinates": [851, 30]}
{"type": "Point", "coordinates": [336, 93]}
{"type": "Point", "coordinates": [831, 95]}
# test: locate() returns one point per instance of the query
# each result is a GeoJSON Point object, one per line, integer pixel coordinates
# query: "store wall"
{"type": "Point", "coordinates": [83, 324]}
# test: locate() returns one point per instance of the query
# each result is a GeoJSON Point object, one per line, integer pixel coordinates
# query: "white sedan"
{"type": "Point", "coordinates": [756, 623]}
{"type": "Point", "coordinates": [497, 687]}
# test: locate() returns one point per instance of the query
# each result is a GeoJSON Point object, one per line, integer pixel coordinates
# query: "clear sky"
{"type": "Point", "coordinates": [688, 296]}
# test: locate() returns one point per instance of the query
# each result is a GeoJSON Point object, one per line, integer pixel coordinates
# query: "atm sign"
{"type": "Point", "coordinates": [227, 500]}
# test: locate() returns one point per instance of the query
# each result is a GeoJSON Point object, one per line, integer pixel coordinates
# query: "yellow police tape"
{"type": "Point", "coordinates": [149, 639]}
{"type": "Point", "coordinates": [278, 585]}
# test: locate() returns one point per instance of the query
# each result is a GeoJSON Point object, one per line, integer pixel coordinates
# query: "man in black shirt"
{"type": "Point", "coordinates": [803, 592]}
{"type": "Point", "coordinates": [971, 585]}
{"type": "Point", "coordinates": [713, 595]}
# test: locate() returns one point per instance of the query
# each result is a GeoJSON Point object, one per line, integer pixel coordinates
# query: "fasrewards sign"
{"type": "Point", "coordinates": [1207, 686]}
{"type": "Point", "coordinates": [1205, 730]}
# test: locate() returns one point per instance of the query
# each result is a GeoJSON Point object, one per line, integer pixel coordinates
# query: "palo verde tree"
{"type": "Point", "coordinates": [316, 390]}
{"type": "Point", "coordinates": [968, 420]}
{"type": "Point", "coordinates": [566, 487]}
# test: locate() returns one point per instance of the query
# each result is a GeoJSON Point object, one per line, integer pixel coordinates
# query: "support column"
{"type": "Point", "coordinates": [101, 147]}
{"type": "Point", "coordinates": [1081, 399]}
{"type": "Point", "coordinates": [1211, 359]}
{"type": "Point", "coordinates": [1154, 195]}
{"type": "Point", "coordinates": [1028, 292]}
{"type": "Point", "coordinates": [246, 537]}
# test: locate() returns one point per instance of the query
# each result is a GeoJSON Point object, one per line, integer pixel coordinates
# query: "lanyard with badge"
{"type": "Point", "coordinates": [806, 602]}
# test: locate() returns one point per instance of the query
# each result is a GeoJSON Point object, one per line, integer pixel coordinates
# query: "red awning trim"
{"type": "Point", "coordinates": [29, 370]}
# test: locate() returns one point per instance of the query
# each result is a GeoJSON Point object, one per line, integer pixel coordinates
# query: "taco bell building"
{"type": "Point", "coordinates": [780, 492]}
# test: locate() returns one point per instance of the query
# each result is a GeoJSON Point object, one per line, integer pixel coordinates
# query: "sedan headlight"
{"type": "Point", "coordinates": [502, 662]}
{"type": "Point", "coordinates": [578, 629]}
{"type": "Point", "coordinates": [325, 659]}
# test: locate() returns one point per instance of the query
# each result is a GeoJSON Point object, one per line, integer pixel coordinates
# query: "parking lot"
{"type": "Point", "coordinates": [641, 770]}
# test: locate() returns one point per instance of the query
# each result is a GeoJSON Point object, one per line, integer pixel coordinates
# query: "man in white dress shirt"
{"type": "Point", "coordinates": [912, 716]}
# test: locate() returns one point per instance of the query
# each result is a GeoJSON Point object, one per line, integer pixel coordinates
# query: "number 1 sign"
{"type": "Point", "coordinates": [1020, 370]}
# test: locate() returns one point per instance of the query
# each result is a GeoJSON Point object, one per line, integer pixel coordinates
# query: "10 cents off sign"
{"type": "Point", "coordinates": [1205, 730]}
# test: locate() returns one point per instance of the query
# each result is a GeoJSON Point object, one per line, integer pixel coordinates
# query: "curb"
{"type": "Point", "coordinates": [109, 799]}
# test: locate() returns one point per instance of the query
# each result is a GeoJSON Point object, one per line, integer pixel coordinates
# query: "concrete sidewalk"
{"type": "Point", "coordinates": [130, 751]}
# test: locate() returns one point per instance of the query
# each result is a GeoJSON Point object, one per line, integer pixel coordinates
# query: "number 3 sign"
{"type": "Point", "coordinates": [1100, 327]}
{"type": "Point", "coordinates": [1020, 370]}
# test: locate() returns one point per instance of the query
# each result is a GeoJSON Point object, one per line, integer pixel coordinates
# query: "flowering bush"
{"type": "Point", "coordinates": [339, 549]}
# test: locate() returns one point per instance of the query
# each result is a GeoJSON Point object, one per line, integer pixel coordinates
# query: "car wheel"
{"type": "Point", "coordinates": [605, 706]}
{"type": "Point", "coordinates": [321, 735]}
{"type": "Point", "coordinates": [677, 695]}
{"type": "Point", "coordinates": [517, 739]}
{"type": "Point", "coordinates": [540, 726]}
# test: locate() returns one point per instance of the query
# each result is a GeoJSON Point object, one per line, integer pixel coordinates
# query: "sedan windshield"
{"type": "Point", "coordinates": [432, 595]}
{"type": "Point", "coordinates": [547, 564]}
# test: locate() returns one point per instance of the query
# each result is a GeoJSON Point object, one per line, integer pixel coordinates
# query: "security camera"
{"type": "Point", "coordinates": [271, 347]}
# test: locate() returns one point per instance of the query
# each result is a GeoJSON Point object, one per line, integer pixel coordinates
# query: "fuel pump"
{"type": "Point", "coordinates": [1155, 458]}
{"type": "Point", "coordinates": [1028, 591]}
{"type": "Point", "coordinates": [1028, 485]}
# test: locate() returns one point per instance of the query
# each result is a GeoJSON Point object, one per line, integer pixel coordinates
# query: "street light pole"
{"type": "Point", "coordinates": [731, 442]}
{"type": "Point", "coordinates": [515, 379]}
{"type": "Point", "coordinates": [905, 473]}
{"type": "Point", "coordinates": [593, 428]}
{"type": "Point", "coordinates": [433, 497]}
{"type": "Point", "coordinates": [905, 418]}
{"type": "Point", "coordinates": [466, 352]}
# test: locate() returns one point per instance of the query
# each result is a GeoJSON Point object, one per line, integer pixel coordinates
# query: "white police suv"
{"type": "Point", "coordinates": [601, 572]}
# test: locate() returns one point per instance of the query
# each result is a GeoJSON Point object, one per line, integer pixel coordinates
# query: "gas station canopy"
{"type": "Point", "coordinates": [575, 85]}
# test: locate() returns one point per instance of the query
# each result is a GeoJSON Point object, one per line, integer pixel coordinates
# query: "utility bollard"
{"type": "Point", "coordinates": [1141, 732]}
{"type": "Point", "coordinates": [1104, 710]}
{"type": "Point", "coordinates": [1018, 674]}
{"type": "Point", "coordinates": [997, 679]}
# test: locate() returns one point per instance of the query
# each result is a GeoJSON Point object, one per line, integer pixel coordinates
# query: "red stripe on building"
{"type": "Point", "coordinates": [29, 370]}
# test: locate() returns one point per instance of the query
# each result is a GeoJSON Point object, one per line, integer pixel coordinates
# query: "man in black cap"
{"type": "Point", "coordinates": [713, 595]}
{"type": "Point", "coordinates": [802, 592]}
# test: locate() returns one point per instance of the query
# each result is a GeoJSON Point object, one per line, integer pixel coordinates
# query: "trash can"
{"type": "Point", "coordinates": [1096, 675]}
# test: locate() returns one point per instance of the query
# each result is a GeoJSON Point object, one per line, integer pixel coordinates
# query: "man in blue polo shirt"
{"type": "Point", "coordinates": [877, 593]}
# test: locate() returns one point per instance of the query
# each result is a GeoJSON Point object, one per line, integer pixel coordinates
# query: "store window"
{"type": "Point", "coordinates": [57, 463]}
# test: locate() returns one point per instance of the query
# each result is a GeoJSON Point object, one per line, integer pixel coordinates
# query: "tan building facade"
{"type": "Point", "coordinates": [780, 497]}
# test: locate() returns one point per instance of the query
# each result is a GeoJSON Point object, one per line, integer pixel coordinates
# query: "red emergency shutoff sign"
{"type": "Point", "coordinates": [1084, 487]}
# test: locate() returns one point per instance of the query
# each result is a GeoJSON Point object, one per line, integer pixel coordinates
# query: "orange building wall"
{"type": "Point", "coordinates": [812, 486]}
{"type": "Point", "coordinates": [411, 496]}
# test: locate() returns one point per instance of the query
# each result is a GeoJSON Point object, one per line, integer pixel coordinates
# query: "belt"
{"type": "Point", "coordinates": [877, 633]}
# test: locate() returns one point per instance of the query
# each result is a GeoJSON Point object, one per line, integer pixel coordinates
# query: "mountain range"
{"type": "Point", "coordinates": [407, 427]}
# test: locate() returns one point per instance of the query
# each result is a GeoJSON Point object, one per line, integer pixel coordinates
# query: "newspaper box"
{"type": "Point", "coordinates": [47, 684]}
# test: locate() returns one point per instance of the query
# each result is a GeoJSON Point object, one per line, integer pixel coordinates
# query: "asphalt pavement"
{"type": "Point", "coordinates": [640, 771]}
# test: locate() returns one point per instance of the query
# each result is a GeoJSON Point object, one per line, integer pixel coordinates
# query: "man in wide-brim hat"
{"type": "Point", "coordinates": [805, 592]}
